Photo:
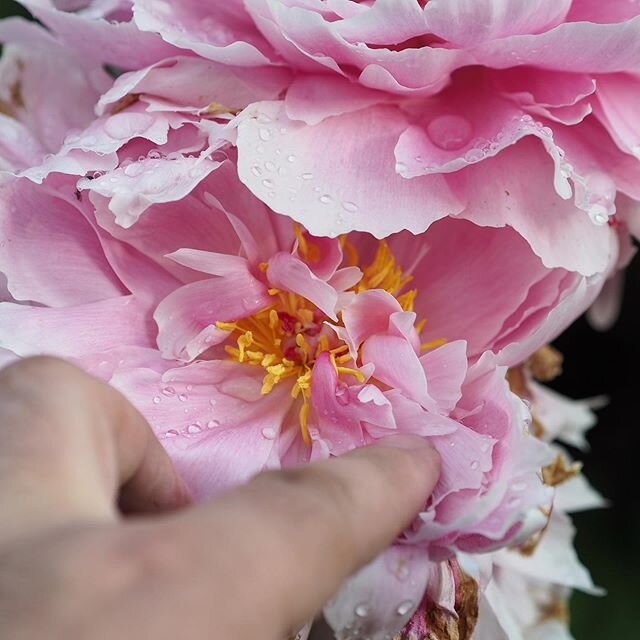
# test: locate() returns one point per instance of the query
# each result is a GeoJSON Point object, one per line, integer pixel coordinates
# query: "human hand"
{"type": "Point", "coordinates": [256, 562]}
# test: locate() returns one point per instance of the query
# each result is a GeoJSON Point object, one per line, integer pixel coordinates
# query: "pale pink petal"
{"type": "Point", "coordinates": [618, 95]}
{"type": "Point", "coordinates": [313, 98]}
{"type": "Point", "coordinates": [230, 38]}
{"type": "Point", "coordinates": [367, 314]}
{"type": "Point", "coordinates": [212, 419]}
{"type": "Point", "coordinates": [329, 197]}
{"type": "Point", "coordinates": [75, 331]}
{"type": "Point", "coordinates": [288, 273]}
{"type": "Point", "coordinates": [397, 365]}
{"type": "Point", "coordinates": [380, 599]}
{"type": "Point", "coordinates": [560, 234]}
{"type": "Point", "coordinates": [468, 23]}
{"type": "Point", "coordinates": [187, 317]}
{"type": "Point", "coordinates": [119, 43]}
{"type": "Point", "coordinates": [72, 270]}
{"type": "Point", "coordinates": [602, 12]}
{"type": "Point", "coordinates": [581, 47]}
{"type": "Point", "coordinates": [446, 368]}
{"type": "Point", "coordinates": [194, 84]}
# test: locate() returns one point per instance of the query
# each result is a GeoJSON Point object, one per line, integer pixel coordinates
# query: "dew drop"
{"type": "Point", "coordinates": [212, 424]}
{"type": "Point", "coordinates": [169, 391]}
{"type": "Point", "coordinates": [598, 214]}
{"type": "Point", "coordinates": [326, 199]}
{"type": "Point", "coordinates": [351, 207]}
{"type": "Point", "coordinates": [172, 433]}
{"type": "Point", "coordinates": [269, 433]}
{"type": "Point", "coordinates": [291, 158]}
{"type": "Point", "coordinates": [474, 155]}
{"type": "Point", "coordinates": [404, 607]}
{"type": "Point", "coordinates": [362, 610]}
{"type": "Point", "coordinates": [194, 428]}
{"type": "Point", "coordinates": [268, 183]}
{"type": "Point", "coordinates": [269, 166]}
{"type": "Point", "coordinates": [256, 170]}
{"type": "Point", "coordinates": [182, 397]}
{"type": "Point", "coordinates": [307, 176]}
{"type": "Point", "coordinates": [213, 402]}
{"type": "Point", "coordinates": [156, 400]}
{"type": "Point", "coordinates": [450, 132]}
{"type": "Point", "coordinates": [475, 465]}
{"type": "Point", "coordinates": [265, 134]}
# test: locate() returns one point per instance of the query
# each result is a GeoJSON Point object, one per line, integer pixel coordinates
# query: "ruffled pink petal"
{"type": "Point", "coordinates": [288, 273]}
{"type": "Point", "coordinates": [329, 197]}
{"type": "Point", "coordinates": [312, 98]}
{"type": "Point", "coordinates": [75, 331]}
{"type": "Point", "coordinates": [187, 317]}
{"type": "Point", "coordinates": [380, 599]}
{"type": "Point", "coordinates": [397, 365]}
{"type": "Point", "coordinates": [230, 38]}
{"type": "Point", "coordinates": [72, 271]}
{"type": "Point", "coordinates": [468, 23]}
{"type": "Point", "coordinates": [602, 12]}
{"type": "Point", "coordinates": [618, 96]}
{"type": "Point", "coordinates": [581, 47]}
{"type": "Point", "coordinates": [194, 84]}
{"type": "Point", "coordinates": [212, 420]}
{"type": "Point", "coordinates": [118, 43]}
{"type": "Point", "coordinates": [344, 412]}
{"type": "Point", "coordinates": [559, 234]}
{"type": "Point", "coordinates": [446, 369]}
{"type": "Point", "coordinates": [368, 314]}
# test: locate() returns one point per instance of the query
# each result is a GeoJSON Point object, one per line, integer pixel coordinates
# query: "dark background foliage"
{"type": "Point", "coordinates": [608, 540]}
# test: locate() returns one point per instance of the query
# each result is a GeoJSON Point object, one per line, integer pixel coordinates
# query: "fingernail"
{"type": "Point", "coordinates": [405, 441]}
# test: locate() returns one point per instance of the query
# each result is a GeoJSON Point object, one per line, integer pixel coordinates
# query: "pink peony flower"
{"type": "Point", "coordinates": [274, 347]}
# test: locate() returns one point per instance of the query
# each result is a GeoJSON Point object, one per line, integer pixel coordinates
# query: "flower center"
{"type": "Point", "coordinates": [286, 338]}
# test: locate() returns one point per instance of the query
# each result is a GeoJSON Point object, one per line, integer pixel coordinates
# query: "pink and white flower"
{"type": "Point", "coordinates": [249, 350]}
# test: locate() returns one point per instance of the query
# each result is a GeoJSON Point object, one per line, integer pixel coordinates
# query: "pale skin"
{"type": "Point", "coordinates": [99, 538]}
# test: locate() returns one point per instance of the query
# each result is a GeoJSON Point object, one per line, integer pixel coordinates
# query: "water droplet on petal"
{"type": "Point", "coordinates": [351, 207]}
{"type": "Point", "coordinates": [362, 610]}
{"type": "Point", "coordinates": [450, 132]}
{"type": "Point", "coordinates": [269, 433]}
{"type": "Point", "coordinates": [267, 183]}
{"type": "Point", "coordinates": [404, 607]}
{"type": "Point", "coordinates": [212, 424]}
{"type": "Point", "coordinates": [291, 158]}
{"type": "Point", "coordinates": [213, 402]}
{"type": "Point", "coordinates": [326, 199]}
{"type": "Point", "coordinates": [269, 166]}
{"type": "Point", "coordinates": [156, 400]}
{"type": "Point", "coordinates": [194, 428]}
{"type": "Point", "coordinates": [475, 465]}
{"type": "Point", "coordinates": [256, 170]}
{"type": "Point", "coordinates": [265, 134]}
{"type": "Point", "coordinates": [598, 214]}
{"type": "Point", "coordinates": [307, 176]}
{"type": "Point", "coordinates": [169, 391]}
{"type": "Point", "coordinates": [182, 397]}
{"type": "Point", "coordinates": [172, 433]}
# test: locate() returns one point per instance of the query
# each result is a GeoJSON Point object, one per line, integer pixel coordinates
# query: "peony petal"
{"type": "Point", "coordinates": [72, 271]}
{"type": "Point", "coordinates": [187, 317]}
{"type": "Point", "coordinates": [288, 273]}
{"type": "Point", "coordinates": [380, 599]}
{"type": "Point", "coordinates": [75, 331]}
{"type": "Point", "coordinates": [329, 197]}
{"type": "Point", "coordinates": [210, 416]}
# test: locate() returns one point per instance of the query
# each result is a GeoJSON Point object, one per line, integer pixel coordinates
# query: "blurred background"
{"type": "Point", "coordinates": [608, 540]}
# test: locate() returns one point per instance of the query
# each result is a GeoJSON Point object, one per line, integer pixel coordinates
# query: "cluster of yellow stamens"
{"type": "Point", "coordinates": [286, 338]}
